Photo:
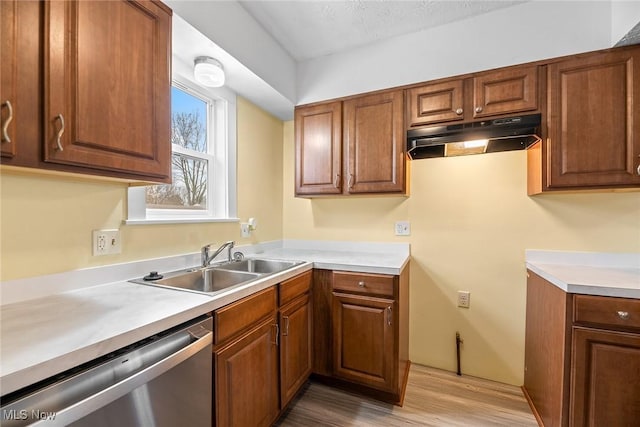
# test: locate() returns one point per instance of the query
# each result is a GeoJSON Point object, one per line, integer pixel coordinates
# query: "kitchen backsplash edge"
{"type": "Point", "coordinates": [24, 289]}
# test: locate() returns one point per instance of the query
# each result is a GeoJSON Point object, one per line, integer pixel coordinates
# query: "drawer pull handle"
{"type": "Point", "coordinates": [362, 284]}
{"type": "Point", "coordinates": [5, 126]}
{"type": "Point", "coordinates": [623, 314]}
{"type": "Point", "coordinates": [389, 313]}
{"type": "Point", "coordinates": [336, 183]}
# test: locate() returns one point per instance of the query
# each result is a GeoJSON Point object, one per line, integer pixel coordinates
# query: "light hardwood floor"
{"type": "Point", "coordinates": [433, 398]}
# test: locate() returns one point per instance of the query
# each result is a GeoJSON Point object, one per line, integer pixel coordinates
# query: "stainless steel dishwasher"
{"type": "Point", "coordinates": [164, 380]}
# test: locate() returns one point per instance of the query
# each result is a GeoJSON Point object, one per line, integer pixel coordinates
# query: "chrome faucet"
{"type": "Point", "coordinates": [207, 258]}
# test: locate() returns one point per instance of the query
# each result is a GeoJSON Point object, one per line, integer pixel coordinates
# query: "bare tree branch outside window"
{"type": "Point", "coordinates": [189, 187]}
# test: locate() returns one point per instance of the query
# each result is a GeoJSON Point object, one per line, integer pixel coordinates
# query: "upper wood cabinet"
{"type": "Point", "coordinates": [593, 121]}
{"type": "Point", "coordinates": [107, 86]}
{"type": "Point", "coordinates": [318, 132]}
{"type": "Point", "coordinates": [489, 94]}
{"type": "Point", "coordinates": [8, 77]}
{"type": "Point", "coordinates": [362, 136]}
{"type": "Point", "coordinates": [20, 82]}
{"type": "Point", "coordinates": [374, 139]}
{"type": "Point", "coordinates": [435, 103]}
{"type": "Point", "coordinates": [94, 89]}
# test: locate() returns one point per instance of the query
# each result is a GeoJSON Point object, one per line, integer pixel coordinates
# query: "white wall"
{"type": "Point", "coordinates": [231, 27]}
{"type": "Point", "coordinates": [624, 16]}
{"type": "Point", "coordinates": [522, 33]}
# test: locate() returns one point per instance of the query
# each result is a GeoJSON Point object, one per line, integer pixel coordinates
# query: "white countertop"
{"type": "Point", "coordinates": [56, 331]}
{"type": "Point", "coordinates": [590, 273]}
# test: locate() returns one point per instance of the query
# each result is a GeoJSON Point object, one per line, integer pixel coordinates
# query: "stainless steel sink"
{"type": "Point", "coordinates": [262, 266]}
{"type": "Point", "coordinates": [218, 277]}
{"type": "Point", "coordinates": [205, 280]}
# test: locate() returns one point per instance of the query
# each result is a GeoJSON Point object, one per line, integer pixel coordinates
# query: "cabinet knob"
{"type": "Point", "coordinates": [459, 111]}
{"type": "Point", "coordinates": [638, 170]}
{"type": "Point", "coordinates": [623, 314]}
{"type": "Point", "coordinates": [478, 109]}
{"type": "Point", "coordinates": [361, 284]}
{"type": "Point", "coordinates": [5, 126]}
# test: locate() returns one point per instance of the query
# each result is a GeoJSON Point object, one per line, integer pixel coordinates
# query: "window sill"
{"type": "Point", "coordinates": [177, 221]}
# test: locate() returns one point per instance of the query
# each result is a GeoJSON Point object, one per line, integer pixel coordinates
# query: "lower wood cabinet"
{"type": "Point", "coordinates": [361, 331]}
{"type": "Point", "coordinates": [364, 337]}
{"type": "Point", "coordinates": [582, 357]}
{"type": "Point", "coordinates": [246, 378]}
{"type": "Point", "coordinates": [605, 382]}
{"type": "Point", "coordinates": [262, 354]}
{"type": "Point", "coordinates": [295, 336]}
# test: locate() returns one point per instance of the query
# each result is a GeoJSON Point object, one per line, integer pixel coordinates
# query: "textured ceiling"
{"type": "Point", "coordinates": [309, 29]}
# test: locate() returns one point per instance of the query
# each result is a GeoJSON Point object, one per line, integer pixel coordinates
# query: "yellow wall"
{"type": "Point", "coordinates": [471, 221]}
{"type": "Point", "coordinates": [46, 221]}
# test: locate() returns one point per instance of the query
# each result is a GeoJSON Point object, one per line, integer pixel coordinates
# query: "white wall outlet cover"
{"type": "Point", "coordinates": [245, 229]}
{"type": "Point", "coordinates": [464, 299]}
{"type": "Point", "coordinates": [106, 242]}
{"type": "Point", "coordinates": [403, 228]}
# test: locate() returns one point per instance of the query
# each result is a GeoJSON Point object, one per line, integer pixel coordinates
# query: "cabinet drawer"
{"type": "Point", "coordinates": [289, 289]}
{"type": "Point", "coordinates": [240, 315]}
{"type": "Point", "coordinates": [616, 312]}
{"type": "Point", "coordinates": [376, 284]}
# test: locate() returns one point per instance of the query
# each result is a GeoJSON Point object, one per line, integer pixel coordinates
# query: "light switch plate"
{"type": "Point", "coordinates": [403, 228]}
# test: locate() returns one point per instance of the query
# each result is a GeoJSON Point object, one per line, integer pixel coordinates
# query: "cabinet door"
{"type": "Point", "coordinates": [435, 103]}
{"type": "Point", "coordinates": [107, 86]}
{"type": "Point", "coordinates": [319, 149]}
{"type": "Point", "coordinates": [594, 120]}
{"type": "Point", "coordinates": [375, 140]}
{"type": "Point", "coordinates": [364, 340]}
{"type": "Point", "coordinates": [605, 383]}
{"type": "Point", "coordinates": [20, 98]}
{"type": "Point", "coordinates": [295, 347]}
{"type": "Point", "coordinates": [506, 91]}
{"type": "Point", "coordinates": [8, 76]}
{"type": "Point", "coordinates": [246, 378]}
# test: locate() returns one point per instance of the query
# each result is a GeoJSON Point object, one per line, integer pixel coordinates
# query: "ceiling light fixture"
{"type": "Point", "coordinates": [208, 71]}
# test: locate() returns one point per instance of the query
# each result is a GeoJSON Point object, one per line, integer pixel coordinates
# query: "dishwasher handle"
{"type": "Point", "coordinates": [104, 397]}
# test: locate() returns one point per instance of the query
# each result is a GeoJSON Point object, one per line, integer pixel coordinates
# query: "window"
{"type": "Point", "coordinates": [203, 162]}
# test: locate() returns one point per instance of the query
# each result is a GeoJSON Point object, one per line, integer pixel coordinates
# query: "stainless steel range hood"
{"type": "Point", "coordinates": [486, 136]}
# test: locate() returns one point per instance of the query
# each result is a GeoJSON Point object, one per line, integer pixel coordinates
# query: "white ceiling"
{"type": "Point", "coordinates": [309, 29]}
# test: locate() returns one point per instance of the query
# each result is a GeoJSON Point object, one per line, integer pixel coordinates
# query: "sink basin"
{"type": "Point", "coordinates": [203, 280]}
{"type": "Point", "coordinates": [262, 266]}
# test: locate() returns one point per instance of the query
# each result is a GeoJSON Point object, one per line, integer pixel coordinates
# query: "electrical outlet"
{"type": "Point", "coordinates": [245, 229]}
{"type": "Point", "coordinates": [106, 242]}
{"type": "Point", "coordinates": [464, 299]}
{"type": "Point", "coordinates": [403, 228]}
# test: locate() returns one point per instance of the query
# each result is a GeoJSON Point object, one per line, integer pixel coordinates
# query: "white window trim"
{"type": "Point", "coordinates": [224, 205]}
